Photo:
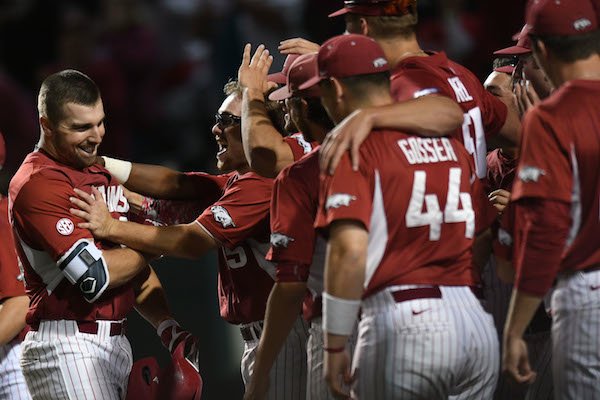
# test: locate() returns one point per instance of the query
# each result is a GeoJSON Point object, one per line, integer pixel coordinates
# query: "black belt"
{"type": "Point", "coordinates": [251, 332]}
{"type": "Point", "coordinates": [116, 328]}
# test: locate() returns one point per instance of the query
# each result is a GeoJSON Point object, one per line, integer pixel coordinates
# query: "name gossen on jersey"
{"type": "Point", "coordinates": [427, 150]}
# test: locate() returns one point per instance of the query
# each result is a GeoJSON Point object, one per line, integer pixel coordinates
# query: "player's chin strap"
{"type": "Point", "coordinates": [172, 334]}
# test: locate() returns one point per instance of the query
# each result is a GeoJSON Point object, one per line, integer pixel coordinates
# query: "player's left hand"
{"type": "Point", "coordinates": [348, 134]}
{"type": "Point", "coordinates": [337, 373]}
{"type": "Point", "coordinates": [499, 199]}
{"type": "Point", "coordinates": [253, 71]}
{"type": "Point", "coordinates": [297, 46]}
{"type": "Point", "coordinates": [515, 360]}
{"type": "Point", "coordinates": [257, 388]}
{"type": "Point", "coordinates": [92, 208]}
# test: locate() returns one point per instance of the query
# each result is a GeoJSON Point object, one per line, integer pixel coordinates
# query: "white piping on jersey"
{"type": "Point", "coordinates": [260, 251]}
{"type": "Point", "coordinates": [575, 200]}
{"type": "Point", "coordinates": [378, 234]}
{"type": "Point", "coordinates": [208, 233]}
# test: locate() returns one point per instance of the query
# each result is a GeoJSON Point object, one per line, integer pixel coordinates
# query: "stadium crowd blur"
{"type": "Point", "coordinates": [160, 65]}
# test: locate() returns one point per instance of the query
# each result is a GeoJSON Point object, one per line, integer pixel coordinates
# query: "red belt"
{"type": "Point", "coordinates": [91, 327]}
{"type": "Point", "coordinates": [431, 292]}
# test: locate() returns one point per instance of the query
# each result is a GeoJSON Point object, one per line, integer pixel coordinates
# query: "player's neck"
{"type": "Point", "coordinates": [586, 69]}
{"type": "Point", "coordinates": [398, 49]}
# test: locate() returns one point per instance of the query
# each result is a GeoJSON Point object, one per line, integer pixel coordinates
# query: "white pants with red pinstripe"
{"type": "Point", "coordinates": [287, 379]}
{"type": "Point", "coordinates": [576, 336]}
{"type": "Point", "coordinates": [426, 348]}
{"type": "Point", "coordinates": [12, 382]}
{"type": "Point", "coordinates": [59, 362]}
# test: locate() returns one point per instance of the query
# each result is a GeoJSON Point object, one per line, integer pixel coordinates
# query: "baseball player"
{"type": "Point", "coordinates": [13, 307]}
{"type": "Point", "coordinates": [556, 197]}
{"type": "Point", "coordinates": [400, 232]}
{"type": "Point", "coordinates": [80, 290]}
{"type": "Point", "coordinates": [233, 219]}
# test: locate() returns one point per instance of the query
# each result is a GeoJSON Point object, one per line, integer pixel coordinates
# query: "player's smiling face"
{"type": "Point", "coordinates": [228, 134]}
{"type": "Point", "coordinates": [74, 140]}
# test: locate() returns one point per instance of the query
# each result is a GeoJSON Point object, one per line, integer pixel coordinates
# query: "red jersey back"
{"type": "Point", "coordinates": [484, 114]}
{"type": "Point", "coordinates": [45, 232]}
{"type": "Point", "coordinates": [413, 195]}
{"type": "Point", "coordinates": [559, 161]}
{"type": "Point", "coordinates": [11, 276]}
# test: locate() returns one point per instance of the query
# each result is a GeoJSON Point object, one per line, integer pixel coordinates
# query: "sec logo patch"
{"type": "Point", "coordinates": [65, 226]}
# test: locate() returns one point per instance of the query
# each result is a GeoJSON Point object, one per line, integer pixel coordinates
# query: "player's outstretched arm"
{"type": "Point", "coordinates": [283, 306]}
{"type": "Point", "coordinates": [184, 240]}
{"type": "Point", "coordinates": [297, 46]}
{"type": "Point", "coordinates": [427, 115]}
{"type": "Point", "coordinates": [266, 151]}
{"type": "Point", "coordinates": [154, 180]}
{"type": "Point", "coordinates": [123, 265]}
{"type": "Point", "coordinates": [12, 317]}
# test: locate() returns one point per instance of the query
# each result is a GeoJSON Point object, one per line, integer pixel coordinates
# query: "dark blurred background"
{"type": "Point", "coordinates": [161, 65]}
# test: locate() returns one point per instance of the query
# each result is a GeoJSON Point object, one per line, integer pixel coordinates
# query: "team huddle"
{"type": "Point", "coordinates": [387, 226]}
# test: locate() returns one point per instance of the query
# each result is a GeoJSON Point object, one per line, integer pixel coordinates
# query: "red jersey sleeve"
{"type": "Point", "coordinates": [493, 113]}
{"type": "Point", "coordinates": [409, 84]}
{"type": "Point", "coordinates": [241, 212]}
{"type": "Point", "coordinates": [11, 278]}
{"type": "Point", "coordinates": [41, 214]}
{"type": "Point", "coordinates": [298, 145]}
{"type": "Point", "coordinates": [346, 194]}
{"type": "Point", "coordinates": [543, 169]}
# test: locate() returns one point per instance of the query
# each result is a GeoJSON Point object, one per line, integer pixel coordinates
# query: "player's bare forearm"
{"type": "Point", "coordinates": [509, 135]}
{"type": "Point", "coordinates": [162, 183]}
{"type": "Point", "coordinates": [183, 240]}
{"type": "Point", "coordinates": [151, 301]}
{"type": "Point", "coordinates": [123, 265]}
{"type": "Point", "coordinates": [520, 312]}
{"type": "Point", "coordinates": [12, 317]}
{"type": "Point", "coordinates": [283, 307]}
{"type": "Point", "coordinates": [265, 149]}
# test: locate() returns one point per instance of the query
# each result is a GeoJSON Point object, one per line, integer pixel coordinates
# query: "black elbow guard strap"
{"type": "Point", "coordinates": [84, 266]}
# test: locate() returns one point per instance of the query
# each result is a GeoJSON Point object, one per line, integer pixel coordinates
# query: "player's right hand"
{"type": "Point", "coordinates": [297, 46]}
{"type": "Point", "coordinates": [92, 208]}
{"type": "Point", "coordinates": [336, 370]}
{"type": "Point", "coordinates": [257, 388]}
{"type": "Point", "coordinates": [347, 135]}
{"type": "Point", "coordinates": [253, 71]}
{"type": "Point", "coordinates": [515, 360]}
{"type": "Point", "coordinates": [499, 199]}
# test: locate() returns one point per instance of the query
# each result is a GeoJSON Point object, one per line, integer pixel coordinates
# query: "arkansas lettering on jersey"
{"type": "Point", "coordinates": [415, 204]}
{"type": "Point", "coordinates": [559, 161]}
{"type": "Point", "coordinates": [295, 249]}
{"type": "Point", "coordinates": [239, 221]}
{"type": "Point", "coordinates": [46, 232]}
{"type": "Point", "coordinates": [484, 114]}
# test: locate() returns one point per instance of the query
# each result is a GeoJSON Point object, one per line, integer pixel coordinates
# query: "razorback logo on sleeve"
{"type": "Point", "coordinates": [280, 240]}
{"type": "Point", "coordinates": [338, 200]}
{"type": "Point", "coordinates": [221, 215]}
{"type": "Point", "coordinates": [530, 174]}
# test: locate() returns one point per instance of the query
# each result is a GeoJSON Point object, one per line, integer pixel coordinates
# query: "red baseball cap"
{"type": "Point", "coordinates": [348, 55]}
{"type": "Point", "coordinates": [523, 45]}
{"type": "Point", "coordinates": [507, 69]}
{"type": "Point", "coordinates": [303, 68]}
{"type": "Point", "coordinates": [281, 77]}
{"type": "Point", "coordinates": [2, 151]}
{"type": "Point", "coordinates": [562, 17]}
{"type": "Point", "coordinates": [377, 7]}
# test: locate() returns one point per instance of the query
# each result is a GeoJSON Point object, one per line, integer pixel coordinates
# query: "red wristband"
{"type": "Point", "coordinates": [334, 349]}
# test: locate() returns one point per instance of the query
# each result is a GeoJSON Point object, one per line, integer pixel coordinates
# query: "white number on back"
{"type": "Point", "coordinates": [415, 217]}
{"type": "Point", "coordinates": [478, 147]}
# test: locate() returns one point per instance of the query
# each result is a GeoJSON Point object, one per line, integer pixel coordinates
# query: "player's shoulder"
{"type": "Point", "coordinates": [299, 169]}
{"type": "Point", "coordinates": [37, 176]}
{"type": "Point", "coordinates": [248, 182]}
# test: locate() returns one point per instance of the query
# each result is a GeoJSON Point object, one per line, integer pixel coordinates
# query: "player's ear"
{"type": "Point", "coordinates": [364, 27]}
{"type": "Point", "coordinates": [338, 88]}
{"type": "Point", "coordinates": [46, 126]}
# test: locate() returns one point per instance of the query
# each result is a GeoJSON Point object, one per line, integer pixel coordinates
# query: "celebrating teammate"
{"type": "Point", "coordinates": [13, 307]}
{"type": "Point", "coordinates": [557, 195]}
{"type": "Point", "coordinates": [80, 290]}
{"type": "Point", "coordinates": [233, 217]}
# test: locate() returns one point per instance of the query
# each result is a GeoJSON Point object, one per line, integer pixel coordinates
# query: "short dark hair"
{"type": "Point", "coordinates": [386, 27]}
{"type": "Point", "coordinates": [274, 109]}
{"type": "Point", "coordinates": [504, 61]}
{"type": "Point", "coordinates": [571, 48]}
{"type": "Point", "coordinates": [67, 86]}
{"type": "Point", "coordinates": [316, 113]}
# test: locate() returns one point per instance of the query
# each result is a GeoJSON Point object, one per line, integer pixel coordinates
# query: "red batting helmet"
{"type": "Point", "coordinates": [2, 151]}
{"type": "Point", "coordinates": [180, 380]}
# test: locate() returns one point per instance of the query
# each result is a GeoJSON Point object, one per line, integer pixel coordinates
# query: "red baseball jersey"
{"type": "Point", "coordinates": [484, 114]}
{"type": "Point", "coordinates": [296, 250]}
{"type": "Point", "coordinates": [46, 232]}
{"type": "Point", "coordinates": [11, 276]}
{"type": "Point", "coordinates": [559, 161]}
{"type": "Point", "coordinates": [413, 195]}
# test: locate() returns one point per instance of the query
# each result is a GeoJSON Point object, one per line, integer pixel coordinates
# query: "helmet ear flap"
{"type": "Point", "coordinates": [143, 380]}
{"type": "Point", "coordinates": [180, 380]}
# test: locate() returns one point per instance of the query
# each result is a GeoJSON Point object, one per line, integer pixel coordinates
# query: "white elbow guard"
{"type": "Point", "coordinates": [84, 266]}
{"type": "Point", "coordinates": [118, 168]}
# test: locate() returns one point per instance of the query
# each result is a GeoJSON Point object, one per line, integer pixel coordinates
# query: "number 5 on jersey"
{"type": "Point", "coordinates": [433, 216]}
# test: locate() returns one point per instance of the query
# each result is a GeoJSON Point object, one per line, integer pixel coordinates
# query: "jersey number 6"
{"type": "Point", "coordinates": [433, 215]}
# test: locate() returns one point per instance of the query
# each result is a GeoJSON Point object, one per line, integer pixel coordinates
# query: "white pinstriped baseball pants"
{"type": "Point", "coordinates": [12, 382]}
{"type": "Point", "coordinates": [426, 348]}
{"type": "Point", "coordinates": [59, 362]}
{"type": "Point", "coordinates": [576, 336]}
{"type": "Point", "coordinates": [316, 387]}
{"type": "Point", "coordinates": [287, 379]}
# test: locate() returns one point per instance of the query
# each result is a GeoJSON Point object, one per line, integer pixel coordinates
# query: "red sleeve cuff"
{"type": "Point", "coordinates": [290, 272]}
